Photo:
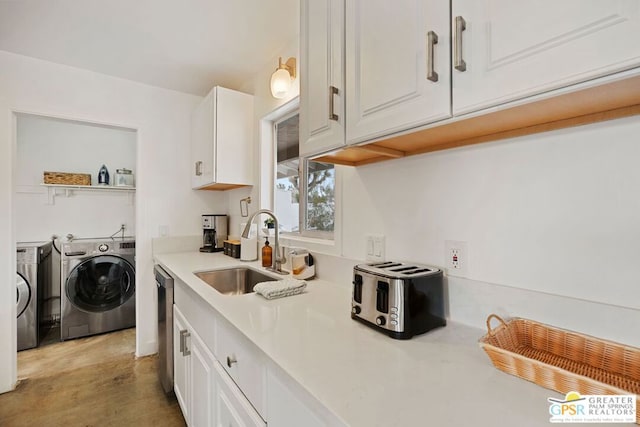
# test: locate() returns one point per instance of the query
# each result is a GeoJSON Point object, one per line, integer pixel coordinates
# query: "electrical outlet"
{"type": "Point", "coordinates": [375, 247]}
{"type": "Point", "coordinates": [163, 230]}
{"type": "Point", "coordinates": [456, 258]}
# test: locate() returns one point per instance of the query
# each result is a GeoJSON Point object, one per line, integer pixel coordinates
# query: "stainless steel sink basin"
{"type": "Point", "coordinates": [233, 281]}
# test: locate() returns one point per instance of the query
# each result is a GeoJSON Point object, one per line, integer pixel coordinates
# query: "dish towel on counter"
{"type": "Point", "coordinates": [280, 288]}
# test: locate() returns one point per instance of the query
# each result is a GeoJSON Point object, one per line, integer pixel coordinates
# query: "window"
{"type": "Point", "coordinates": [299, 179]}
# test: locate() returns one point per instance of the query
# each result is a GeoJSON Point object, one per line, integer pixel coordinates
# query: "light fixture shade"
{"type": "Point", "coordinates": [280, 83]}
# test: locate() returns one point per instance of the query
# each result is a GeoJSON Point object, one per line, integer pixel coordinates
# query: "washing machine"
{"type": "Point", "coordinates": [33, 274]}
{"type": "Point", "coordinates": [98, 280]}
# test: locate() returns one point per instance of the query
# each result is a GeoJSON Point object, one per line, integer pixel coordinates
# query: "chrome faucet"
{"type": "Point", "coordinates": [276, 264]}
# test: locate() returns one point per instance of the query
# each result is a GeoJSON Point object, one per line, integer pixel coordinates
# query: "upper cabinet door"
{"type": "Point", "coordinates": [222, 143]}
{"type": "Point", "coordinates": [202, 142]}
{"type": "Point", "coordinates": [398, 65]}
{"type": "Point", "coordinates": [513, 49]}
{"type": "Point", "coordinates": [234, 145]}
{"type": "Point", "coordinates": [322, 90]}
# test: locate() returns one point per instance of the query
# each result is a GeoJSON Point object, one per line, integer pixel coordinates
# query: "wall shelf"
{"type": "Point", "coordinates": [54, 190]}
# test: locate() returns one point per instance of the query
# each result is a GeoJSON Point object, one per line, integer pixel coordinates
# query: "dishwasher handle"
{"type": "Point", "coordinates": [163, 279]}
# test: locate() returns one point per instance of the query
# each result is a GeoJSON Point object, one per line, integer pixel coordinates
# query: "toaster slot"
{"type": "Point", "coordinates": [357, 288]}
{"type": "Point", "coordinates": [420, 270]}
{"type": "Point", "coordinates": [382, 297]}
{"type": "Point", "coordinates": [386, 264]}
{"type": "Point", "coordinates": [411, 267]}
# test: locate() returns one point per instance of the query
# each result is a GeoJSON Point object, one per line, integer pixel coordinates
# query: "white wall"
{"type": "Point", "coordinates": [45, 144]}
{"type": "Point", "coordinates": [556, 212]}
{"type": "Point", "coordinates": [163, 197]}
{"type": "Point", "coordinates": [264, 104]}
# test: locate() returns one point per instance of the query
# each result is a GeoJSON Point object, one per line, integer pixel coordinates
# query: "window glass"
{"type": "Point", "coordinates": [321, 205]}
{"type": "Point", "coordinates": [304, 193]}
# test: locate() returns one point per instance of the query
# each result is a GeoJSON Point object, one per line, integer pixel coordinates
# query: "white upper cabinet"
{"type": "Point", "coordinates": [397, 66]}
{"type": "Point", "coordinates": [514, 49]}
{"type": "Point", "coordinates": [322, 90]}
{"type": "Point", "coordinates": [222, 141]}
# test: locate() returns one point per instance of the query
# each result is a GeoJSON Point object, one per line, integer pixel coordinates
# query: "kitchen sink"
{"type": "Point", "coordinates": [233, 281]}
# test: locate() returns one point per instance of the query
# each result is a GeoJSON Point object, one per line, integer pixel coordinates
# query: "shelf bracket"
{"type": "Point", "coordinates": [51, 196]}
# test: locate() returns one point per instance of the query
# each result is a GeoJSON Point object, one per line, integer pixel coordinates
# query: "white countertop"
{"type": "Point", "coordinates": [441, 378]}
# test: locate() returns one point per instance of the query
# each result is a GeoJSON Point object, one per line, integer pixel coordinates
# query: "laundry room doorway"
{"type": "Point", "coordinates": [74, 187]}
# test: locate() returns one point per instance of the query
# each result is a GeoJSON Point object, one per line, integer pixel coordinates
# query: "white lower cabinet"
{"type": "Point", "coordinates": [205, 393]}
{"type": "Point", "coordinates": [194, 373]}
{"type": "Point", "coordinates": [243, 362]}
{"type": "Point", "coordinates": [232, 407]}
{"type": "Point", "coordinates": [286, 407]}
{"type": "Point", "coordinates": [180, 362]}
{"type": "Point", "coordinates": [203, 383]}
{"type": "Point", "coordinates": [222, 379]}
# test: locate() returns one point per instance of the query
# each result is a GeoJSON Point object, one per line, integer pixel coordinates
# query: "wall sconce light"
{"type": "Point", "coordinates": [282, 78]}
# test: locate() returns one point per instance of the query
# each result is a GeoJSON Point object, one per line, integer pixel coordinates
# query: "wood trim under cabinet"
{"type": "Point", "coordinates": [594, 104]}
{"type": "Point", "coordinates": [223, 187]}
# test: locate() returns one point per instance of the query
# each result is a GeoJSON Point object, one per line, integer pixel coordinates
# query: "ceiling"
{"type": "Point", "coordinates": [185, 45]}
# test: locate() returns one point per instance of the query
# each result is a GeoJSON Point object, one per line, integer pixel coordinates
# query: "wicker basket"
{"type": "Point", "coordinates": [64, 178]}
{"type": "Point", "coordinates": [563, 360]}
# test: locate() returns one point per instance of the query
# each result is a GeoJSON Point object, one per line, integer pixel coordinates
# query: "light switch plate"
{"type": "Point", "coordinates": [375, 248]}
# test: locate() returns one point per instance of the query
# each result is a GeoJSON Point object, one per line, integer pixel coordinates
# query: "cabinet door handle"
{"type": "Point", "coordinates": [231, 360]}
{"type": "Point", "coordinates": [458, 62]}
{"type": "Point", "coordinates": [198, 168]}
{"type": "Point", "coordinates": [332, 91]}
{"type": "Point", "coordinates": [184, 334]}
{"type": "Point", "coordinates": [432, 40]}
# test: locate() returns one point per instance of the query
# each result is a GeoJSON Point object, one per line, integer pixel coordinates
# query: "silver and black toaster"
{"type": "Point", "coordinates": [401, 300]}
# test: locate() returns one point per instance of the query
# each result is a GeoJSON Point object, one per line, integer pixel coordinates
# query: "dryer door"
{"type": "Point", "coordinates": [23, 294]}
{"type": "Point", "coordinates": [101, 283]}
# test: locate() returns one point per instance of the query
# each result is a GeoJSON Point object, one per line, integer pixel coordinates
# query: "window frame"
{"type": "Point", "coordinates": [302, 189]}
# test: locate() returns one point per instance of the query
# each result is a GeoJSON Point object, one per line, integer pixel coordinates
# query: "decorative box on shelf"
{"type": "Point", "coordinates": [66, 178]}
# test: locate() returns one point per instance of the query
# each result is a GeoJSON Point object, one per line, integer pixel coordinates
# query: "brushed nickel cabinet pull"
{"type": "Point", "coordinates": [432, 40]}
{"type": "Point", "coordinates": [458, 62]}
{"type": "Point", "coordinates": [332, 91]}
{"type": "Point", "coordinates": [184, 334]}
{"type": "Point", "coordinates": [231, 360]}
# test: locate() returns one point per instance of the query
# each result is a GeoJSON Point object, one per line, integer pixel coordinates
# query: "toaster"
{"type": "Point", "coordinates": [398, 299]}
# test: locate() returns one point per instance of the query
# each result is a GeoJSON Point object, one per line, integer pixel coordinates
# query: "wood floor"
{"type": "Point", "coordinates": [95, 381]}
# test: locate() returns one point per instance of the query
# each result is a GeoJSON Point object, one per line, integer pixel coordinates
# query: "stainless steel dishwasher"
{"type": "Point", "coordinates": [164, 282]}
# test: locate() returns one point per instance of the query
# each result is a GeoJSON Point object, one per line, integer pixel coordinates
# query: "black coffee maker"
{"type": "Point", "coordinates": [214, 232]}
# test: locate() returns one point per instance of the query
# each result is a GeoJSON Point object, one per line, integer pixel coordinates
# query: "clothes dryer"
{"type": "Point", "coordinates": [98, 286]}
{"type": "Point", "coordinates": [33, 273]}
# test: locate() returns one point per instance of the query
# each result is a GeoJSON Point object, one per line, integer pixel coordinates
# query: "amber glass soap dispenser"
{"type": "Point", "coordinates": [266, 253]}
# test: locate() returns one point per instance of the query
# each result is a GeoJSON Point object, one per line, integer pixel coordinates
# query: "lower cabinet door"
{"type": "Point", "coordinates": [232, 407]}
{"type": "Point", "coordinates": [290, 406]}
{"type": "Point", "coordinates": [181, 363]}
{"type": "Point", "coordinates": [243, 362]}
{"type": "Point", "coordinates": [203, 382]}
